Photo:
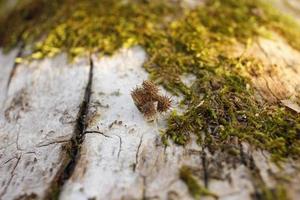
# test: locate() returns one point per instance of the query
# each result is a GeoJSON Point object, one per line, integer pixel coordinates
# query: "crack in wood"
{"type": "Point", "coordinates": [96, 132]}
{"type": "Point", "coordinates": [242, 154]}
{"type": "Point", "coordinates": [20, 154]}
{"type": "Point", "coordinates": [205, 170]}
{"type": "Point", "coordinates": [14, 67]}
{"type": "Point", "coordinates": [53, 142]}
{"type": "Point", "coordinates": [144, 188]}
{"type": "Point", "coordinates": [257, 181]}
{"type": "Point", "coordinates": [74, 145]}
{"type": "Point", "coordinates": [11, 177]}
{"type": "Point", "coordinates": [137, 154]}
{"type": "Point", "coordinates": [270, 90]}
{"type": "Point", "coordinates": [120, 146]}
{"type": "Point", "coordinates": [264, 52]}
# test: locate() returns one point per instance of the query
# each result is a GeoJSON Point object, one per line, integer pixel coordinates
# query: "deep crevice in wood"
{"type": "Point", "coordinates": [96, 132]}
{"type": "Point", "coordinates": [73, 147]}
{"type": "Point", "coordinates": [137, 154]}
{"type": "Point", "coordinates": [14, 67]}
{"type": "Point", "coordinates": [11, 176]}
{"type": "Point", "coordinates": [242, 154]}
{"type": "Point", "coordinates": [205, 170]}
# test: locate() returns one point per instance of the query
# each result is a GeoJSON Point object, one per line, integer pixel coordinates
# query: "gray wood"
{"type": "Point", "coordinates": [38, 118]}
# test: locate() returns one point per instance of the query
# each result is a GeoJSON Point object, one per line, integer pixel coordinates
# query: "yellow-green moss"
{"type": "Point", "coordinates": [220, 104]}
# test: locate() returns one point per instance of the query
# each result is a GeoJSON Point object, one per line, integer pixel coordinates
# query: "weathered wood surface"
{"type": "Point", "coordinates": [128, 160]}
{"type": "Point", "coordinates": [125, 158]}
{"type": "Point", "coordinates": [119, 155]}
{"type": "Point", "coordinates": [7, 64]}
{"type": "Point", "coordinates": [38, 117]}
{"type": "Point", "coordinates": [291, 7]}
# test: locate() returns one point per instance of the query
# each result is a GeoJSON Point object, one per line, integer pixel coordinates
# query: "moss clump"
{"type": "Point", "coordinates": [85, 25]}
{"type": "Point", "coordinates": [195, 189]}
{"type": "Point", "coordinates": [262, 191]}
{"type": "Point", "coordinates": [247, 18]}
{"type": "Point", "coordinates": [223, 107]}
{"type": "Point", "coordinates": [278, 192]}
{"type": "Point", "coordinates": [221, 104]}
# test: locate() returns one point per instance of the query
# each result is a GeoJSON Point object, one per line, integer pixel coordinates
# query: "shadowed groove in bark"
{"type": "Point", "coordinates": [242, 155]}
{"type": "Point", "coordinates": [73, 147]}
{"type": "Point", "coordinates": [205, 170]}
{"type": "Point", "coordinates": [137, 154]}
{"type": "Point", "coordinates": [11, 176]}
{"type": "Point", "coordinates": [14, 67]}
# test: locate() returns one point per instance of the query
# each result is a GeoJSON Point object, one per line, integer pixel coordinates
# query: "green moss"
{"type": "Point", "coordinates": [195, 189]}
{"type": "Point", "coordinates": [263, 192]}
{"type": "Point", "coordinates": [278, 192]}
{"type": "Point", "coordinates": [221, 104]}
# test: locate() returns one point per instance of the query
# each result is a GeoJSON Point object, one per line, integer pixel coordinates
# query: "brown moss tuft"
{"type": "Point", "coordinates": [149, 101]}
{"type": "Point", "coordinates": [151, 88]}
{"type": "Point", "coordinates": [164, 103]}
{"type": "Point", "coordinates": [139, 97]}
{"type": "Point", "coordinates": [149, 110]}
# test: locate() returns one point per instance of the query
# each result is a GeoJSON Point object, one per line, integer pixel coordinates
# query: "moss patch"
{"type": "Point", "coordinates": [195, 189]}
{"type": "Point", "coordinates": [221, 103]}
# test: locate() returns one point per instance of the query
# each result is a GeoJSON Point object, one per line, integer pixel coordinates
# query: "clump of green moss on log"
{"type": "Point", "coordinates": [220, 104]}
{"type": "Point", "coordinates": [222, 108]}
{"type": "Point", "coordinates": [195, 189]}
{"type": "Point", "coordinates": [76, 27]}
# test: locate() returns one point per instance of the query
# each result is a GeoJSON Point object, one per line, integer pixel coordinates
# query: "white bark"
{"type": "Point", "coordinates": [6, 64]}
{"type": "Point", "coordinates": [38, 118]}
{"type": "Point", "coordinates": [128, 161]}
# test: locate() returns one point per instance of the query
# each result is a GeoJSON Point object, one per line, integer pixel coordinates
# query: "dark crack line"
{"type": "Point", "coordinates": [264, 52]}
{"type": "Point", "coordinates": [242, 154]}
{"type": "Point", "coordinates": [144, 188]}
{"type": "Point", "coordinates": [137, 154]}
{"type": "Point", "coordinates": [120, 146]}
{"type": "Point", "coordinates": [96, 132]}
{"type": "Point", "coordinates": [14, 67]}
{"type": "Point", "coordinates": [73, 147]}
{"type": "Point", "coordinates": [257, 181]}
{"type": "Point", "coordinates": [51, 143]}
{"type": "Point", "coordinates": [10, 159]}
{"type": "Point", "coordinates": [205, 170]}
{"type": "Point", "coordinates": [17, 141]}
{"type": "Point", "coordinates": [269, 88]}
{"type": "Point", "coordinates": [11, 176]}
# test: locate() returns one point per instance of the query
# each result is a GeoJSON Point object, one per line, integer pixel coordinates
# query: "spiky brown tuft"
{"type": "Point", "coordinates": [164, 103]}
{"type": "Point", "coordinates": [148, 100]}
{"type": "Point", "coordinates": [149, 110]}
{"type": "Point", "coordinates": [150, 88]}
{"type": "Point", "coordinates": [139, 97]}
